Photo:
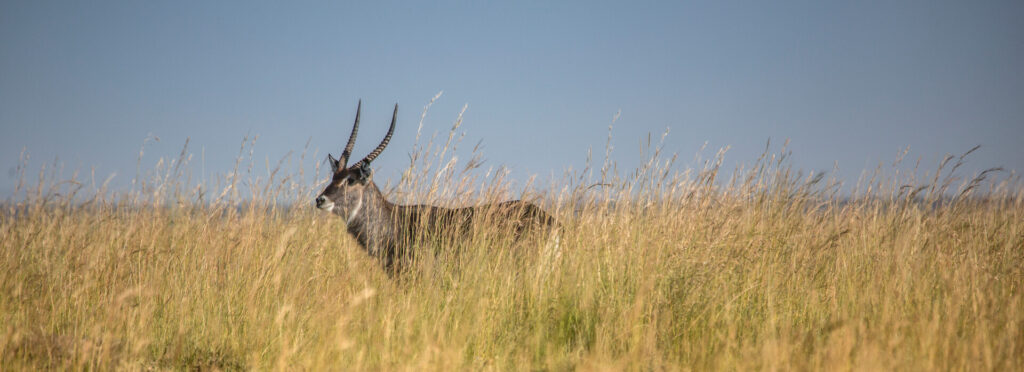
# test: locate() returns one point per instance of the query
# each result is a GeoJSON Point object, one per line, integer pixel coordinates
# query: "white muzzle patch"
{"type": "Point", "coordinates": [328, 204]}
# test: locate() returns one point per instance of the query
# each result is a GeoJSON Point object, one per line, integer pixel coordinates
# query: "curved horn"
{"type": "Point", "coordinates": [383, 143]}
{"type": "Point", "coordinates": [351, 138]}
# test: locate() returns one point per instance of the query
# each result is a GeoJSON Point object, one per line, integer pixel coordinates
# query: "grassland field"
{"type": "Point", "coordinates": [756, 268]}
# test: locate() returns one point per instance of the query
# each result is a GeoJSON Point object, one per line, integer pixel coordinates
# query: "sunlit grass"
{"type": "Point", "coordinates": [656, 269]}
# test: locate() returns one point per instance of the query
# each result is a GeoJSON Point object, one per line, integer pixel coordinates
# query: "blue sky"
{"type": "Point", "coordinates": [848, 83]}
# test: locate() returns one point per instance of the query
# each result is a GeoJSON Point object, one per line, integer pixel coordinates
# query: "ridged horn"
{"type": "Point", "coordinates": [351, 139]}
{"type": "Point", "coordinates": [383, 143]}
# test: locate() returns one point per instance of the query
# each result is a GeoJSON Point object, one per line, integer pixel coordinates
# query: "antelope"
{"type": "Point", "coordinates": [387, 231]}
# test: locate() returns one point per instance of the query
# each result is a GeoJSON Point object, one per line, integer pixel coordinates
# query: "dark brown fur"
{"type": "Point", "coordinates": [388, 231]}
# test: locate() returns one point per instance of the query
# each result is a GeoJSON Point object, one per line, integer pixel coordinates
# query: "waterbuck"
{"type": "Point", "coordinates": [388, 231]}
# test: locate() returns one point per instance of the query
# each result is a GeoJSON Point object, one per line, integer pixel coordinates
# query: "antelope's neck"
{"type": "Point", "coordinates": [372, 222]}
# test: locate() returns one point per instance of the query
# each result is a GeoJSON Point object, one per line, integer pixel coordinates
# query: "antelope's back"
{"type": "Point", "coordinates": [516, 216]}
{"type": "Point", "coordinates": [525, 213]}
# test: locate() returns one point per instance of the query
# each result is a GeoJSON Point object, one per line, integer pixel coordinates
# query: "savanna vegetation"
{"type": "Point", "coordinates": [660, 267]}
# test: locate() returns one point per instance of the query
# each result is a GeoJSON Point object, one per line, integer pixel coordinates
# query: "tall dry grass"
{"type": "Point", "coordinates": [759, 267]}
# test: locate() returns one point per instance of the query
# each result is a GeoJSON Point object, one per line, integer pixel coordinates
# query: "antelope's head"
{"type": "Point", "coordinates": [344, 194]}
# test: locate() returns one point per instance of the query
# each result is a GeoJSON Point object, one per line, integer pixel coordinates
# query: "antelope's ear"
{"type": "Point", "coordinates": [334, 163]}
{"type": "Point", "coordinates": [364, 171]}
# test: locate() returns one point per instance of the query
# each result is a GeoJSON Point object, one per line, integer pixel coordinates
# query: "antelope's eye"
{"type": "Point", "coordinates": [350, 181]}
